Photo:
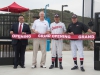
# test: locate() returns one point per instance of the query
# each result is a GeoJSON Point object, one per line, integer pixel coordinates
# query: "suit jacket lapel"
{"type": "Point", "coordinates": [17, 27]}
{"type": "Point", "coordinates": [23, 27]}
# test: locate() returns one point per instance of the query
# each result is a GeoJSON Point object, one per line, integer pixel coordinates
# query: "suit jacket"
{"type": "Point", "coordinates": [26, 29]}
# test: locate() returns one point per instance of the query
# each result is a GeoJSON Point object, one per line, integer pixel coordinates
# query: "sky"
{"type": "Point", "coordinates": [73, 5]}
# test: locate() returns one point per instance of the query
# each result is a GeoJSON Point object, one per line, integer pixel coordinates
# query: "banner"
{"type": "Point", "coordinates": [54, 36]}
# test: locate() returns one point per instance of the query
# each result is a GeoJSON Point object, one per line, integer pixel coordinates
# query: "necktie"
{"type": "Point", "coordinates": [20, 29]}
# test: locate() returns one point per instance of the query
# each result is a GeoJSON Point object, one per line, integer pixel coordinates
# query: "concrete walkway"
{"type": "Point", "coordinates": [67, 64]}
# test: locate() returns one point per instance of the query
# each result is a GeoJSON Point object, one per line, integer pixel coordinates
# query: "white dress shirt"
{"type": "Point", "coordinates": [19, 26]}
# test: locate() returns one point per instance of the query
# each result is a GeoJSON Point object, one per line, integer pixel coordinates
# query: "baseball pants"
{"type": "Point", "coordinates": [57, 47]}
{"type": "Point", "coordinates": [77, 44]}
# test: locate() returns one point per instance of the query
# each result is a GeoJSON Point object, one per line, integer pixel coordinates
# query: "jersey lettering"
{"type": "Point", "coordinates": [56, 27]}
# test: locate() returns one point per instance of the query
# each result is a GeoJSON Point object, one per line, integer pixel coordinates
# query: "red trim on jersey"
{"type": "Point", "coordinates": [75, 58]}
{"type": "Point", "coordinates": [53, 59]}
{"type": "Point", "coordinates": [60, 59]}
{"type": "Point", "coordinates": [81, 59]}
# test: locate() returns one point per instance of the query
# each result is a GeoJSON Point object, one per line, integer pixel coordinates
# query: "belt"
{"type": "Point", "coordinates": [74, 39]}
{"type": "Point", "coordinates": [55, 39]}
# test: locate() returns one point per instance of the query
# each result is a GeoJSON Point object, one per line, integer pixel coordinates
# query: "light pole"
{"type": "Point", "coordinates": [62, 12]}
{"type": "Point", "coordinates": [92, 5]}
{"type": "Point", "coordinates": [48, 41]}
{"type": "Point", "coordinates": [45, 10]}
{"type": "Point", "coordinates": [83, 12]}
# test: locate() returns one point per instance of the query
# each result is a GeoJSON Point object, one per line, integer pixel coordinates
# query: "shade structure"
{"type": "Point", "coordinates": [14, 8]}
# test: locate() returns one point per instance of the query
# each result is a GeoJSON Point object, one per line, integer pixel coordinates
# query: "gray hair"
{"type": "Point", "coordinates": [42, 12]}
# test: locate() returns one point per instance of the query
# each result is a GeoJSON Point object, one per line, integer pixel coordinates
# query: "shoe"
{"type": "Point", "coordinates": [51, 67]}
{"type": "Point", "coordinates": [15, 67]}
{"type": "Point", "coordinates": [75, 67]}
{"type": "Point", "coordinates": [22, 66]}
{"type": "Point", "coordinates": [60, 66]}
{"type": "Point", "coordinates": [43, 66]}
{"type": "Point", "coordinates": [34, 66]}
{"type": "Point", "coordinates": [82, 69]}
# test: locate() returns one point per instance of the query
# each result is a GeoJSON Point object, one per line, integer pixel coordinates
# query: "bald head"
{"type": "Point", "coordinates": [42, 14]}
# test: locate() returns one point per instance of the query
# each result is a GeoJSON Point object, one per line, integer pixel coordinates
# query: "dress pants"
{"type": "Point", "coordinates": [19, 53]}
{"type": "Point", "coordinates": [36, 43]}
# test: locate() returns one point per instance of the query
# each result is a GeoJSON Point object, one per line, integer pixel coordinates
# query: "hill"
{"type": "Point", "coordinates": [50, 13]}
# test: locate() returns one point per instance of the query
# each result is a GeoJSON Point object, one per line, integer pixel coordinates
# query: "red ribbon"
{"type": "Point", "coordinates": [54, 36]}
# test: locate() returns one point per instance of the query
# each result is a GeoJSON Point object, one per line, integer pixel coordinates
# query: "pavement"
{"type": "Point", "coordinates": [67, 65]}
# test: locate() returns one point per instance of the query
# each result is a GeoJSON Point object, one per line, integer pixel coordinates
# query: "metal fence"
{"type": "Point", "coordinates": [6, 49]}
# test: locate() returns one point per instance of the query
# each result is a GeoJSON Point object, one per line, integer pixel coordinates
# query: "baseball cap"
{"type": "Point", "coordinates": [74, 16]}
{"type": "Point", "coordinates": [56, 15]}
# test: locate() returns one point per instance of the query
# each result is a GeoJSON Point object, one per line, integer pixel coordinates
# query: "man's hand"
{"type": "Point", "coordinates": [90, 31]}
{"type": "Point", "coordinates": [36, 32]}
{"type": "Point", "coordinates": [11, 32]}
{"type": "Point", "coordinates": [64, 33]}
{"type": "Point", "coordinates": [48, 32]}
{"type": "Point", "coordinates": [23, 33]}
{"type": "Point", "coordinates": [94, 33]}
{"type": "Point", "coordinates": [71, 33]}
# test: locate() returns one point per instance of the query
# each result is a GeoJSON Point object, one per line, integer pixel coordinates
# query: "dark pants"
{"type": "Point", "coordinates": [19, 54]}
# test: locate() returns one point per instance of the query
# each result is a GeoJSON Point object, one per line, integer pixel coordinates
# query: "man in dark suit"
{"type": "Point", "coordinates": [19, 45]}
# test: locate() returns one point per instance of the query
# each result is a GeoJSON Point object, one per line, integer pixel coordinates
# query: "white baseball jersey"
{"type": "Point", "coordinates": [57, 28]}
{"type": "Point", "coordinates": [57, 44]}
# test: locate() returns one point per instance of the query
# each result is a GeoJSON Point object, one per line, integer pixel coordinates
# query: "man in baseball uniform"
{"type": "Point", "coordinates": [57, 27]}
{"type": "Point", "coordinates": [76, 28]}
